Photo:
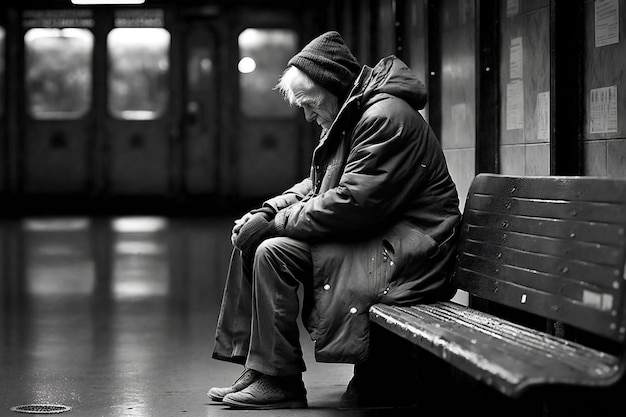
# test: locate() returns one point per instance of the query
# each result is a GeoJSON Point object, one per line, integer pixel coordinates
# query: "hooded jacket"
{"type": "Point", "coordinates": [379, 210]}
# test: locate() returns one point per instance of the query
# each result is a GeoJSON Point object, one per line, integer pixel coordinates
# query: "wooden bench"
{"type": "Point", "coordinates": [552, 247]}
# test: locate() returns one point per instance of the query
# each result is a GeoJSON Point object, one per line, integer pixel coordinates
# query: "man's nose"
{"type": "Point", "coordinates": [308, 114]}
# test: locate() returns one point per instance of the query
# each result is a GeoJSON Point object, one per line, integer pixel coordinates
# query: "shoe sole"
{"type": "Point", "coordinates": [272, 406]}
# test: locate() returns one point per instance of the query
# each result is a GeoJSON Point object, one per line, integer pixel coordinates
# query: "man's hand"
{"type": "Point", "coordinates": [237, 227]}
{"type": "Point", "coordinates": [255, 229]}
{"type": "Point", "coordinates": [268, 211]}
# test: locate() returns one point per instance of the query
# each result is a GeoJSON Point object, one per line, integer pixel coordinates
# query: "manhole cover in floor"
{"type": "Point", "coordinates": [41, 408]}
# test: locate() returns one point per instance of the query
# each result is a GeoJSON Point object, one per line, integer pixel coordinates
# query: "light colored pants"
{"type": "Point", "coordinates": [257, 325]}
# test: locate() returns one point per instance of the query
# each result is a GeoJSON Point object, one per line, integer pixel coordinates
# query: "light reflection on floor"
{"type": "Point", "coordinates": [115, 317]}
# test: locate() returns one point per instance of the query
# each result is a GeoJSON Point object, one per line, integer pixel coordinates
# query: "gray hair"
{"type": "Point", "coordinates": [286, 81]}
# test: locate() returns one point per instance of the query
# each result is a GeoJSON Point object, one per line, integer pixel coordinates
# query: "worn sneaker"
{"type": "Point", "coordinates": [247, 377]}
{"type": "Point", "coordinates": [270, 392]}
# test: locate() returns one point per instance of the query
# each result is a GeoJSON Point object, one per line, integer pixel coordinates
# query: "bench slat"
{"type": "Point", "coordinates": [600, 319]}
{"type": "Point", "coordinates": [469, 340]}
{"type": "Point", "coordinates": [550, 208]}
{"type": "Point", "coordinates": [598, 232]}
{"type": "Point", "coordinates": [600, 277]}
{"type": "Point", "coordinates": [552, 187]}
{"type": "Point", "coordinates": [566, 248]}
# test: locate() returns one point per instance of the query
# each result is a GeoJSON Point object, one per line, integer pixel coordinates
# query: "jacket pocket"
{"type": "Point", "coordinates": [407, 248]}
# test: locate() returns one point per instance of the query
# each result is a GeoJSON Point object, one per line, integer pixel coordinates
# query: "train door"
{"type": "Point", "coordinates": [57, 122]}
{"type": "Point", "coordinates": [141, 105]}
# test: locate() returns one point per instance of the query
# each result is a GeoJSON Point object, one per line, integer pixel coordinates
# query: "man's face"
{"type": "Point", "coordinates": [323, 113]}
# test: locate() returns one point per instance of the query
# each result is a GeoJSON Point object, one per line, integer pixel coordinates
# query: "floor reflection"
{"type": "Point", "coordinates": [140, 253]}
{"type": "Point", "coordinates": [115, 317]}
{"type": "Point", "coordinates": [57, 257]}
{"type": "Point", "coordinates": [181, 260]}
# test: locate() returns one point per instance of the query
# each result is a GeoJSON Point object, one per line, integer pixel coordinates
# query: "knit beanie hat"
{"type": "Point", "coordinates": [328, 61]}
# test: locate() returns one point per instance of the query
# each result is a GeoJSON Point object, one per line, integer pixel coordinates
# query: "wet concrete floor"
{"type": "Point", "coordinates": [115, 318]}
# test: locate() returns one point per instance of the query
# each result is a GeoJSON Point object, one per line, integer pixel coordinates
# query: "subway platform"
{"type": "Point", "coordinates": [115, 317]}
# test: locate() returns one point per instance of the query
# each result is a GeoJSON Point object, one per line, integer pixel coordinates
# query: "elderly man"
{"type": "Point", "coordinates": [374, 222]}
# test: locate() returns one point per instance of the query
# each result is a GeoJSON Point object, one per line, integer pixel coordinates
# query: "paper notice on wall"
{"type": "Point", "coordinates": [603, 110]}
{"type": "Point", "coordinates": [606, 22]}
{"type": "Point", "coordinates": [543, 116]}
{"type": "Point", "coordinates": [516, 62]}
{"type": "Point", "coordinates": [515, 105]}
{"type": "Point", "coordinates": [512, 7]}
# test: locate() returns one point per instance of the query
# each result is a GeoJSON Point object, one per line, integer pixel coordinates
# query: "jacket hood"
{"type": "Point", "coordinates": [390, 76]}
{"type": "Point", "coordinates": [394, 77]}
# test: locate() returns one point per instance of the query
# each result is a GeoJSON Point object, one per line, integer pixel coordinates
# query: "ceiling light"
{"type": "Point", "coordinates": [110, 2]}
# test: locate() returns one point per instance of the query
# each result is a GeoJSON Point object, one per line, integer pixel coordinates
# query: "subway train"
{"type": "Point", "coordinates": [134, 132]}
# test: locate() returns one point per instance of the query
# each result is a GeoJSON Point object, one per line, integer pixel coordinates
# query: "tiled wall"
{"type": "Point", "coordinates": [524, 149]}
{"type": "Point", "coordinates": [525, 56]}
{"type": "Point", "coordinates": [524, 83]}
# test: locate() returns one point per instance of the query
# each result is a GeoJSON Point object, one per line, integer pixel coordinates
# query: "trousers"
{"type": "Point", "coordinates": [258, 320]}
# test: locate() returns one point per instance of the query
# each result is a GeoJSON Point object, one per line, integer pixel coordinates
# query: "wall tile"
{"type": "Point", "coordinates": [538, 159]}
{"type": "Point", "coordinates": [595, 158]}
{"type": "Point", "coordinates": [616, 158]}
{"type": "Point", "coordinates": [513, 159]}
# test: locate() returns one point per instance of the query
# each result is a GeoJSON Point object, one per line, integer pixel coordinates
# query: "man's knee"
{"type": "Point", "coordinates": [270, 246]}
{"type": "Point", "coordinates": [283, 252]}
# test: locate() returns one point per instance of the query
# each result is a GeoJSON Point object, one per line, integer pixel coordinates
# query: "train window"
{"type": "Point", "coordinates": [138, 72]}
{"type": "Point", "coordinates": [263, 55]}
{"type": "Point", "coordinates": [58, 72]}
